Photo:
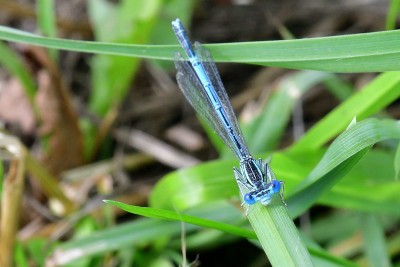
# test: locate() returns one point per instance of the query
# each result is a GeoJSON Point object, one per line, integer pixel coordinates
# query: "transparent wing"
{"type": "Point", "coordinates": [193, 90]}
{"type": "Point", "coordinates": [244, 186]}
{"type": "Point", "coordinates": [212, 72]}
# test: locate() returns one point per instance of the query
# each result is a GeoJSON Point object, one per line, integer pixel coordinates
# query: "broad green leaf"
{"type": "Point", "coordinates": [341, 156]}
{"type": "Point", "coordinates": [214, 180]}
{"type": "Point", "coordinates": [367, 52]}
{"type": "Point", "coordinates": [374, 97]}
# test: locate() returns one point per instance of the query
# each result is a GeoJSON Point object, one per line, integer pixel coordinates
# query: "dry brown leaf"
{"type": "Point", "coordinates": [58, 120]}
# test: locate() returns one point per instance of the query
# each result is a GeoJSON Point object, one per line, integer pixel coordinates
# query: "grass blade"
{"type": "Point", "coordinates": [170, 215]}
{"type": "Point", "coordinates": [278, 235]}
{"type": "Point", "coordinates": [265, 131]}
{"type": "Point", "coordinates": [341, 156]}
{"type": "Point", "coordinates": [47, 22]}
{"type": "Point", "coordinates": [368, 52]}
{"type": "Point", "coordinates": [10, 60]}
{"type": "Point", "coordinates": [373, 98]}
{"type": "Point", "coordinates": [374, 241]}
{"type": "Point", "coordinates": [275, 230]}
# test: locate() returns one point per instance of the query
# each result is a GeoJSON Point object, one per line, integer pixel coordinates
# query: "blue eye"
{"type": "Point", "coordinates": [276, 186]}
{"type": "Point", "coordinates": [249, 199]}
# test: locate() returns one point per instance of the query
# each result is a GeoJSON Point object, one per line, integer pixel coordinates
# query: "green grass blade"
{"type": "Point", "coordinates": [341, 156]}
{"type": "Point", "coordinates": [264, 133]}
{"type": "Point", "coordinates": [342, 90]}
{"type": "Point", "coordinates": [212, 181]}
{"type": "Point", "coordinates": [373, 173]}
{"type": "Point", "coordinates": [373, 98]}
{"type": "Point", "coordinates": [397, 162]}
{"type": "Point", "coordinates": [368, 52]}
{"type": "Point", "coordinates": [46, 19]}
{"type": "Point", "coordinates": [374, 241]}
{"type": "Point", "coordinates": [137, 232]}
{"type": "Point", "coordinates": [393, 12]}
{"type": "Point", "coordinates": [170, 215]}
{"type": "Point", "coordinates": [114, 238]}
{"type": "Point", "coordinates": [278, 235]}
{"type": "Point", "coordinates": [109, 90]}
{"type": "Point", "coordinates": [275, 231]}
{"type": "Point", "coordinates": [11, 61]}
{"type": "Point", "coordinates": [322, 258]}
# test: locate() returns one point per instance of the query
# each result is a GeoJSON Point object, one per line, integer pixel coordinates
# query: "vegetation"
{"type": "Point", "coordinates": [93, 138]}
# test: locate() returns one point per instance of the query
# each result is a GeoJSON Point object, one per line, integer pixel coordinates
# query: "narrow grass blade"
{"type": "Point", "coordinates": [264, 133]}
{"type": "Point", "coordinates": [374, 241]}
{"type": "Point", "coordinates": [11, 61]}
{"type": "Point", "coordinates": [341, 89]}
{"type": "Point", "coordinates": [47, 22]}
{"type": "Point", "coordinates": [374, 97]}
{"type": "Point", "coordinates": [392, 14]}
{"type": "Point", "coordinates": [275, 231]}
{"type": "Point", "coordinates": [397, 162]}
{"type": "Point", "coordinates": [368, 52]}
{"type": "Point", "coordinates": [170, 215]}
{"type": "Point", "coordinates": [140, 231]}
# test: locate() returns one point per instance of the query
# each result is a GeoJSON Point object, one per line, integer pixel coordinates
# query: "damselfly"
{"type": "Point", "coordinates": [201, 84]}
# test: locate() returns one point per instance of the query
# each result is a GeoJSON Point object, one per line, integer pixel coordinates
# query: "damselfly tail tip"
{"type": "Point", "coordinates": [176, 23]}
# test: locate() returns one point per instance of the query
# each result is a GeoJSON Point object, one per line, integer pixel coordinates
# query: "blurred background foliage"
{"type": "Point", "coordinates": [78, 128]}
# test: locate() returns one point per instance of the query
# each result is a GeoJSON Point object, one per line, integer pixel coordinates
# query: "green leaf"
{"type": "Point", "coordinates": [46, 19]}
{"type": "Point", "coordinates": [127, 22]}
{"type": "Point", "coordinates": [393, 12]}
{"type": "Point", "coordinates": [265, 131]}
{"type": "Point", "coordinates": [278, 235]}
{"type": "Point", "coordinates": [367, 52]}
{"type": "Point", "coordinates": [341, 156]}
{"type": "Point", "coordinates": [137, 232]}
{"type": "Point", "coordinates": [397, 162]}
{"type": "Point", "coordinates": [374, 97]}
{"type": "Point", "coordinates": [11, 61]}
{"type": "Point", "coordinates": [374, 241]}
{"type": "Point", "coordinates": [173, 216]}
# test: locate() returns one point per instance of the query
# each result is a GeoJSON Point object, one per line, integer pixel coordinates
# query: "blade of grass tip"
{"type": "Point", "coordinates": [171, 215]}
{"type": "Point", "coordinates": [278, 235]}
{"type": "Point", "coordinates": [374, 241]}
